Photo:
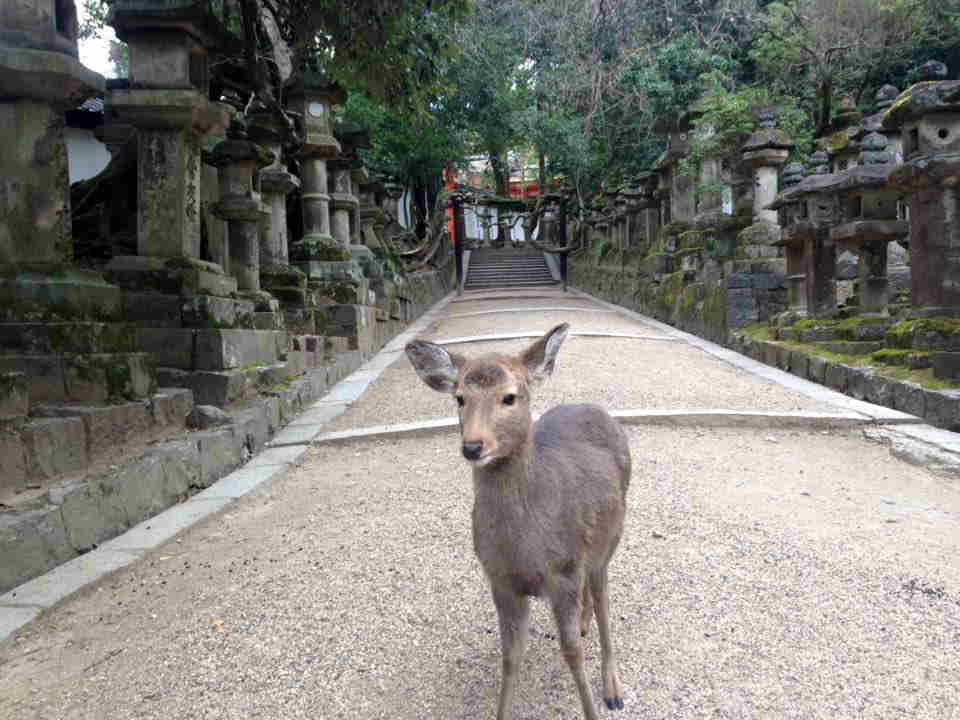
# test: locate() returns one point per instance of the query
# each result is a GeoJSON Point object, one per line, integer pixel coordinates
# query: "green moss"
{"type": "Point", "coordinates": [341, 291]}
{"type": "Point", "coordinates": [692, 239]}
{"type": "Point", "coordinates": [677, 227]}
{"type": "Point", "coordinates": [757, 331]}
{"type": "Point", "coordinates": [901, 335]}
{"type": "Point", "coordinates": [890, 356]}
{"type": "Point", "coordinates": [669, 291]}
{"type": "Point", "coordinates": [924, 378]}
{"type": "Point", "coordinates": [814, 323]}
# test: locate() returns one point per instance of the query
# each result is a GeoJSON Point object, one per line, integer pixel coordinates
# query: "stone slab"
{"type": "Point", "coordinates": [55, 446]}
{"type": "Point", "coordinates": [14, 395]}
{"type": "Point", "coordinates": [49, 589]}
{"type": "Point", "coordinates": [320, 414]}
{"type": "Point", "coordinates": [240, 482]}
{"type": "Point", "coordinates": [220, 452]}
{"type": "Point", "coordinates": [170, 347]}
{"type": "Point", "coordinates": [233, 349]}
{"type": "Point", "coordinates": [154, 310]}
{"type": "Point", "coordinates": [33, 541]}
{"type": "Point", "coordinates": [14, 618]}
{"type": "Point", "coordinates": [740, 418]}
{"type": "Point", "coordinates": [162, 527]}
{"type": "Point", "coordinates": [300, 434]}
{"type": "Point", "coordinates": [171, 406]}
{"type": "Point", "coordinates": [278, 456]}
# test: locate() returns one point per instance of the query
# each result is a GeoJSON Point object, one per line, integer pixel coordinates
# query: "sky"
{"type": "Point", "coordinates": [95, 54]}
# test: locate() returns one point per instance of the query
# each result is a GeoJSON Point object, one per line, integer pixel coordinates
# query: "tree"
{"type": "Point", "coordinates": [838, 45]}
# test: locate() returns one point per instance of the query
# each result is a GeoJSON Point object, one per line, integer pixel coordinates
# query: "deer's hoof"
{"type": "Point", "coordinates": [615, 703]}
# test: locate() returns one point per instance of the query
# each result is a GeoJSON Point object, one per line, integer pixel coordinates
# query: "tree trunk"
{"type": "Point", "coordinates": [501, 172]}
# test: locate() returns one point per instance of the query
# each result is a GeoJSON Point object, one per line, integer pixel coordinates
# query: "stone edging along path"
{"type": "Point", "coordinates": [907, 438]}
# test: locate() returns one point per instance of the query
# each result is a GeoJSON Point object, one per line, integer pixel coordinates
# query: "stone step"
{"type": "Point", "coordinates": [519, 283]}
{"type": "Point", "coordinates": [851, 347]}
{"type": "Point", "coordinates": [67, 337]}
{"type": "Point", "coordinates": [207, 349]}
{"type": "Point", "coordinates": [14, 396]}
{"type": "Point", "coordinates": [83, 377]}
{"type": "Point", "coordinates": [61, 439]}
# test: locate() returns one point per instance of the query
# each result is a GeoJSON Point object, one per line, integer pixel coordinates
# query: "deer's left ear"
{"type": "Point", "coordinates": [540, 358]}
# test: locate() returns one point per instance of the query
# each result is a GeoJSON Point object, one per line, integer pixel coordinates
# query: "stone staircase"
{"type": "Point", "coordinates": [490, 268]}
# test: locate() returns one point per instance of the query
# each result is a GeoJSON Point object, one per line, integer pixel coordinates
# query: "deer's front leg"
{"type": "Point", "coordinates": [513, 612]}
{"type": "Point", "coordinates": [566, 610]}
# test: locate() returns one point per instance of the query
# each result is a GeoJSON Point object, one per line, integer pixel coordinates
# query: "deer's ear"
{"type": "Point", "coordinates": [436, 366]}
{"type": "Point", "coordinates": [541, 357]}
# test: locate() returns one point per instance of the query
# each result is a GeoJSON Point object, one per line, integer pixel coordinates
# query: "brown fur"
{"type": "Point", "coordinates": [549, 501]}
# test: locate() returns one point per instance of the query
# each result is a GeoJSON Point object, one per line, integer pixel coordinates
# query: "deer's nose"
{"type": "Point", "coordinates": [472, 450]}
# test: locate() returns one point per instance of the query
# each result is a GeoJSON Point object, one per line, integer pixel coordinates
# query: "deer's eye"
{"type": "Point", "coordinates": [509, 399]}
{"type": "Point", "coordinates": [460, 400]}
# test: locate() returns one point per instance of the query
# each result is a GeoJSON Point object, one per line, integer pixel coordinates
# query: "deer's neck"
{"type": "Point", "coordinates": [507, 477]}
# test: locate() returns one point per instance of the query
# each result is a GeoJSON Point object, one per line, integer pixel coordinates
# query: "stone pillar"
{"type": "Point", "coordinates": [316, 200]}
{"type": "Point", "coordinates": [359, 175]}
{"type": "Point", "coordinates": [793, 240]}
{"type": "Point", "coordinates": [239, 160]}
{"type": "Point", "coordinates": [343, 203]}
{"type": "Point", "coordinates": [40, 78]}
{"type": "Point", "coordinates": [269, 131]}
{"type": "Point", "coordinates": [928, 116]}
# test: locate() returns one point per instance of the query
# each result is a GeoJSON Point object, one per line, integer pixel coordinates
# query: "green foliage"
{"type": "Point", "coordinates": [413, 148]}
{"type": "Point", "coordinates": [727, 118]}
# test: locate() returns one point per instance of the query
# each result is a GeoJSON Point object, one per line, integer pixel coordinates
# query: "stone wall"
{"type": "Point", "coordinates": [83, 474]}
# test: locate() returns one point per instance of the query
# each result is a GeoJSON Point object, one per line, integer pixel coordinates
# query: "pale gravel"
{"type": "Point", "coordinates": [458, 306]}
{"type": "Point", "coordinates": [615, 373]}
{"type": "Point", "coordinates": [538, 321]}
{"type": "Point", "coordinates": [759, 577]}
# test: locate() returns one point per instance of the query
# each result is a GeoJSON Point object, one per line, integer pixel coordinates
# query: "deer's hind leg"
{"type": "Point", "coordinates": [612, 691]}
{"type": "Point", "coordinates": [586, 609]}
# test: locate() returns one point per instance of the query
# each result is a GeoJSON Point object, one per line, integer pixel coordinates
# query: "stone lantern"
{"type": "Point", "coordinates": [314, 99]}
{"type": "Point", "coordinates": [239, 161]}
{"type": "Point", "coordinates": [868, 208]}
{"type": "Point", "coordinates": [842, 142]}
{"type": "Point", "coordinates": [928, 115]}
{"type": "Point", "coordinates": [271, 131]}
{"type": "Point", "coordinates": [810, 211]}
{"type": "Point", "coordinates": [766, 150]}
{"type": "Point", "coordinates": [621, 220]}
{"type": "Point", "coordinates": [649, 207]}
{"type": "Point", "coordinates": [167, 102]}
{"type": "Point", "coordinates": [791, 217]}
{"type": "Point", "coordinates": [40, 78]}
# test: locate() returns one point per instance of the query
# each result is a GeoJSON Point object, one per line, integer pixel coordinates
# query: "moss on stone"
{"type": "Point", "coordinates": [891, 356]}
{"type": "Point", "coordinates": [902, 334]}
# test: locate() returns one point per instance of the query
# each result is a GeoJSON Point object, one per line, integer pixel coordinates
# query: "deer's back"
{"type": "Point", "coordinates": [582, 445]}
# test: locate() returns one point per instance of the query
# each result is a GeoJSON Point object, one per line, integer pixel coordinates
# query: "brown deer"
{"type": "Point", "coordinates": [549, 501]}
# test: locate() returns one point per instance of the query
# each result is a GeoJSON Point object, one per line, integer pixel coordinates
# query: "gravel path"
{"type": "Point", "coordinates": [623, 374]}
{"type": "Point", "coordinates": [350, 590]}
{"type": "Point", "coordinates": [539, 321]}
{"type": "Point", "coordinates": [762, 574]}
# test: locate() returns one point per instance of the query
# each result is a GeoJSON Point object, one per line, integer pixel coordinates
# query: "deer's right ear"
{"type": "Point", "coordinates": [436, 366]}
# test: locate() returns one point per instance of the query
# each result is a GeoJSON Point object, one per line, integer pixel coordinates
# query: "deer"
{"type": "Point", "coordinates": [549, 502]}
